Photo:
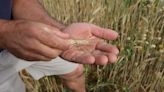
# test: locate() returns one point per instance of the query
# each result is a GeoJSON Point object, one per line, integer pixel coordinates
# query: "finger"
{"type": "Point", "coordinates": [100, 58]}
{"type": "Point", "coordinates": [107, 34]}
{"type": "Point", "coordinates": [112, 58]}
{"type": "Point", "coordinates": [29, 56]}
{"type": "Point", "coordinates": [55, 31]}
{"type": "Point", "coordinates": [53, 41]}
{"type": "Point", "coordinates": [78, 56]}
{"type": "Point", "coordinates": [107, 48]}
{"type": "Point", "coordinates": [36, 57]}
{"type": "Point", "coordinates": [42, 49]}
{"type": "Point", "coordinates": [85, 59]}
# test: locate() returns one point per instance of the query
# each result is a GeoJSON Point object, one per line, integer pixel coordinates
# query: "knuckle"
{"type": "Point", "coordinates": [78, 72]}
{"type": "Point", "coordinates": [80, 69]}
{"type": "Point", "coordinates": [33, 32]}
{"type": "Point", "coordinates": [26, 56]}
{"type": "Point", "coordinates": [52, 56]}
{"type": "Point", "coordinates": [55, 44]}
{"type": "Point", "coordinates": [75, 74]}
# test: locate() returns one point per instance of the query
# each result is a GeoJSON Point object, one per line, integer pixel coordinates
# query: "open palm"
{"type": "Point", "coordinates": [88, 45]}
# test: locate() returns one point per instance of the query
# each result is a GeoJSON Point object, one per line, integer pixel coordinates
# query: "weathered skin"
{"type": "Point", "coordinates": [86, 43]}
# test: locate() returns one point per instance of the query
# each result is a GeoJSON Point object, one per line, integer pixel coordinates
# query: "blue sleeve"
{"type": "Point", "coordinates": [5, 10]}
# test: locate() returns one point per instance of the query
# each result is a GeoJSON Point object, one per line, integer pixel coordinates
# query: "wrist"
{"type": "Point", "coordinates": [3, 27]}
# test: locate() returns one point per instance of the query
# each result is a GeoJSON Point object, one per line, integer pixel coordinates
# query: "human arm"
{"type": "Point", "coordinates": [32, 41]}
{"type": "Point", "coordinates": [33, 10]}
{"type": "Point", "coordinates": [28, 11]}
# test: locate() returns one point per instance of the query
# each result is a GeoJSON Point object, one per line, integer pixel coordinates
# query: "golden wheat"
{"type": "Point", "coordinates": [140, 23]}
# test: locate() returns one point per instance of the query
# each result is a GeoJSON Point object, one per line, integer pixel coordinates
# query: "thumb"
{"type": "Point", "coordinates": [103, 33]}
{"type": "Point", "coordinates": [55, 31]}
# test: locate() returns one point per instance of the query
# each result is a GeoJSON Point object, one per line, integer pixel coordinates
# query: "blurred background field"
{"type": "Point", "coordinates": [140, 23]}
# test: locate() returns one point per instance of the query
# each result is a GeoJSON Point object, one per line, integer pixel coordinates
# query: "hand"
{"type": "Point", "coordinates": [95, 51]}
{"type": "Point", "coordinates": [33, 41]}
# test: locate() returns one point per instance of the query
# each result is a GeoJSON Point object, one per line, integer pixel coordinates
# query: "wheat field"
{"type": "Point", "coordinates": [140, 65]}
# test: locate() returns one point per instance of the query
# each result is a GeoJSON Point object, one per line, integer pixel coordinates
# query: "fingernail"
{"type": "Point", "coordinates": [116, 51]}
{"type": "Point", "coordinates": [116, 33]}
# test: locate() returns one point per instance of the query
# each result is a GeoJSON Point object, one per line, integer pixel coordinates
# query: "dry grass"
{"type": "Point", "coordinates": [140, 67]}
